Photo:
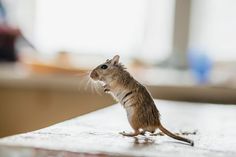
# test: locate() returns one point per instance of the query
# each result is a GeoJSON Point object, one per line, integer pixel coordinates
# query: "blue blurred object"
{"type": "Point", "coordinates": [200, 64]}
{"type": "Point", "coordinates": [2, 13]}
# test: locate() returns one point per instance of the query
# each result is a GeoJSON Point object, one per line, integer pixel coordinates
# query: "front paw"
{"type": "Point", "coordinates": [122, 133]}
{"type": "Point", "coordinates": [106, 90]}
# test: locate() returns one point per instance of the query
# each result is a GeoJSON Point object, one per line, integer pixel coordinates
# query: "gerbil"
{"type": "Point", "coordinates": [142, 113]}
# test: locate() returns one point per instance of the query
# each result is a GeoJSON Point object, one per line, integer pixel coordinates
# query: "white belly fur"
{"type": "Point", "coordinates": [128, 106]}
{"type": "Point", "coordinates": [130, 112]}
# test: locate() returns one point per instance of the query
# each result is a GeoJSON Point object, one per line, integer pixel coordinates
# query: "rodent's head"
{"type": "Point", "coordinates": [107, 70]}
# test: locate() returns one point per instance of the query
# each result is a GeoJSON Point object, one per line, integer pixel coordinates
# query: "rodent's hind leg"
{"type": "Point", "coordinates": [135, 133]}
{"type": "Point", "coordinates": [152, 130]}
{"type": "Point", "coordinates": [142, 132]}
{"type": "Point", "coordinates": [157, 134]}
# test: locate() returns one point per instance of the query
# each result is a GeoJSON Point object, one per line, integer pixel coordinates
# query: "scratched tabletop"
{"type": "Point", "coordinates": [96, 134]}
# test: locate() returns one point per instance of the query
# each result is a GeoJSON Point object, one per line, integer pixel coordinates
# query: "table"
{"type": "Point", "coordinates": [96, 134]}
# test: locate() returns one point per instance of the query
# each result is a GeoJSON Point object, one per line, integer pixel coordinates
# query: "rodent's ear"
{"type": "Point", "coordinates": [115, 59]}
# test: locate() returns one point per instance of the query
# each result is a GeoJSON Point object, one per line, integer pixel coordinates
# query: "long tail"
{"type": "Point", "coordinates": [167, 132]}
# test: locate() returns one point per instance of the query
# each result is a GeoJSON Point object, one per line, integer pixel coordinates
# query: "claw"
{"type": "Point", "coordinates": [106, 90]}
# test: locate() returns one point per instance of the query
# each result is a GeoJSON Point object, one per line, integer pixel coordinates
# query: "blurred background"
{"type": "Point", "coordinates": [181, 50]}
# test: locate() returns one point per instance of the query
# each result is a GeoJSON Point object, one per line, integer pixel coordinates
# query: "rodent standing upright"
{"type": "Point", "coordinates": [141, 110]}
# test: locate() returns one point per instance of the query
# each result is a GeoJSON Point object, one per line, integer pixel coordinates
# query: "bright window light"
{"type": "Point", "coordinates": [131, 27]}
{"type": "Point", "coordinates": [213, 28]}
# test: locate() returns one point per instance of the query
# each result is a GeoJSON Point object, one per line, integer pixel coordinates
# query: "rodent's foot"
{"type": "Point", "coordinates": [142, 133]}
{"type": "Point", "coordinates": [122, 133]}
{"type": "Point", "coordinates": [157, 134]}
{"type": "Point", "coordinates": [129, 134]}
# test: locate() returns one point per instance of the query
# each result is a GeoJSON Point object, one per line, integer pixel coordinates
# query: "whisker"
{"type": "Point", "coordinates": [86, 73]}
{"type": "Point", "coordinates": [86, 83]}
{"type": "Point", "coordinates": [83, 79]}
{"type": "Point", "coordinates": [91, 86]}
{"type": "Point", "coordinates": [97, 88]}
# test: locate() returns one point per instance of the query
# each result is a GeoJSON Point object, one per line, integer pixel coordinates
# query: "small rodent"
{"type": "Point", "coordinates": [142, 113]}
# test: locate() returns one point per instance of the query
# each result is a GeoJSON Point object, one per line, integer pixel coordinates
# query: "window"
{"type": "Point", "coordinates": [133, 28]}
{"type": "Point", "coordinates": [213, 28]}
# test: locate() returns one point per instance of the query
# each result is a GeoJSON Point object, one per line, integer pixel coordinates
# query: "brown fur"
{"type": "Point", "coordinates": [135, 98]}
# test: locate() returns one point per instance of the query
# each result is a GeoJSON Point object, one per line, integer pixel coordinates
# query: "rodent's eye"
{"type": "Point", "coordinates": [104, 66]}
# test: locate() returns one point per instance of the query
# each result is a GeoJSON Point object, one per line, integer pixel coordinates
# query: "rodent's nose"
{"type": "Point", "coordinates": [94, 75]}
